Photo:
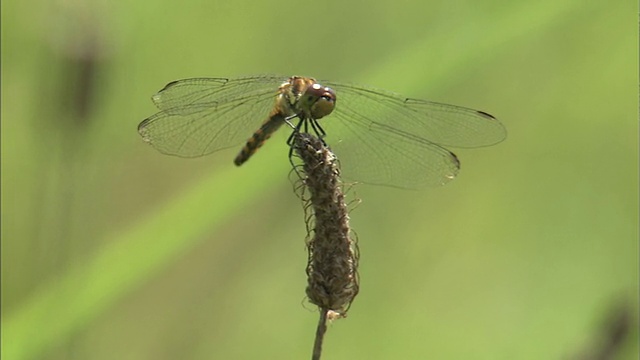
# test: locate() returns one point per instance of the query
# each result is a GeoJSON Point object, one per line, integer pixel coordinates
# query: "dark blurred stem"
{"type": "Point", "coordinates": [322, 328]}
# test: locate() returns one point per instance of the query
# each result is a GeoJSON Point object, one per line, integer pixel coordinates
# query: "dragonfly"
{"type": "Point", "coordinates": [379, 137]}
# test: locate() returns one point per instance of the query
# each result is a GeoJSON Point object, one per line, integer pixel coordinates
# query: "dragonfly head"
{"type": "Point", "coordinates": [318, 101]}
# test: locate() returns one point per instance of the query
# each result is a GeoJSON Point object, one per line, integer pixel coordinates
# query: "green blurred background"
{"type": "Point", "coordinates": [111, 250]}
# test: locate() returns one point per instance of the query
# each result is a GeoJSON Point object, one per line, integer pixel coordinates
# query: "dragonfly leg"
{"type": "Point", "coordinates": [288, 119]}
{"type": "Point", "coordinates": [296, 130]}
{"type": "Point", "coordinates": [318, 130]}
{"type": "Point", "coordinates": [293, 143]}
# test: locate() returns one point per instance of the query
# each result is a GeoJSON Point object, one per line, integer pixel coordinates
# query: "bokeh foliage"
{"type": "Point", "coordinates": [113, 251]}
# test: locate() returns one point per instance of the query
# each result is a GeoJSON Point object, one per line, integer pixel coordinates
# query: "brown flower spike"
{"type": "Point", "coordinates": [332, 278]}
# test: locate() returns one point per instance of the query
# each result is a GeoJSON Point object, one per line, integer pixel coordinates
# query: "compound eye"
{"type": "Point", "coordinates": [326, 101]}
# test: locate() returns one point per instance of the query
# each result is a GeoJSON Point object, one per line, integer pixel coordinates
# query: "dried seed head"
{"type": "Point", "coordinates": [333, 253]}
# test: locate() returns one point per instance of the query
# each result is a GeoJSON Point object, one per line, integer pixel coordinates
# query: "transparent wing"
{"type": "Point", "coordinates": [383, 138]}
{"type": "Point", "coordinates": [379, 156]}
{"type": "Point", "coordinates": [202, 115]}
{"type": "Point", "coordinates": [443, 124]}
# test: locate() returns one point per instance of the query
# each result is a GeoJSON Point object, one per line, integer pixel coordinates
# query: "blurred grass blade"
{"type": "Point", "coordinates": [457, 53]}
{"type": "Point", "coordinates": [67, 304]}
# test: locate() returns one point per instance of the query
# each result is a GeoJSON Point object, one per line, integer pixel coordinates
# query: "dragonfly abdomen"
{"type": "Point", "coordinates": [259, 137]}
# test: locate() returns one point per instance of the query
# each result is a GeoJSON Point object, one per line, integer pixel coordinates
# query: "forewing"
{"type": "Point", "coordinates": [203, 115]}
{"type": "Point", "coordinates": [442, 124]}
